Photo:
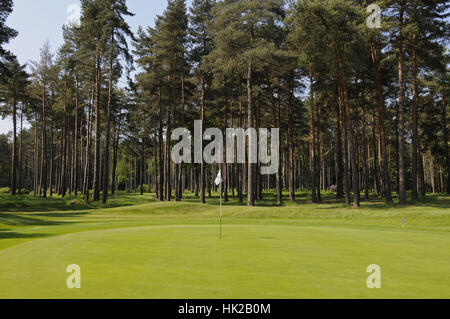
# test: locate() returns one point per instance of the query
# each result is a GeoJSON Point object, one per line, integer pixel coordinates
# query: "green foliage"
{"type": "Point", "coordinates": [6, 34]}
{"type": "Point", "coordinates": [13, 88]}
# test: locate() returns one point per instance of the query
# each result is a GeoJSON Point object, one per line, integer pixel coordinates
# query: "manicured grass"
{"type": "Point", "coordinates": [140, 248]}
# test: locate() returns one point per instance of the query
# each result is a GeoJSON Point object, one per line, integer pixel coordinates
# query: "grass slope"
{"type": "Point", "coordinates": [139, 248]}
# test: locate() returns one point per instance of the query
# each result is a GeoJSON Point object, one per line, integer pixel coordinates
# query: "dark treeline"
{"type": "Point", "coordinates": [361, 110]}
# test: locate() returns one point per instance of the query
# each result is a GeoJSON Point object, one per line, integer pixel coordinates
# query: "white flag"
{"type": "Point", "coordinates": [218, 180]}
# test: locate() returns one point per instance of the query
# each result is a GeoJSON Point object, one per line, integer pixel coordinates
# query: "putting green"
{"type": "Point", "coordinates": [251, 261]}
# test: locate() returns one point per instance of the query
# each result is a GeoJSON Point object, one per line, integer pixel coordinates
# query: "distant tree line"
{"type": "Point", "coordinates": [361, 110]}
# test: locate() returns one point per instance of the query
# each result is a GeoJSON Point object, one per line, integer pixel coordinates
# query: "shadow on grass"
{"type": "Point", "coordinates": [14, 235]}
{"type": "Point", "coordinates": [17, 220]}
{"type": "Point", "coordinates": [29, 203]}
{"type": "Point", "coordinates": [68, 215]}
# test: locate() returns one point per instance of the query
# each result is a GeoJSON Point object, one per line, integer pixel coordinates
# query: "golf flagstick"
{"type": "Point", "coordinates": [218, 182]}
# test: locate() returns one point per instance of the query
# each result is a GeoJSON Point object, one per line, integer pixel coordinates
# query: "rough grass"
{"type": "Point", "coordinates": [136, 247]}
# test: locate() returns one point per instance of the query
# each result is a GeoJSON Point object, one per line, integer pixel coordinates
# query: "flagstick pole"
{"type": "Point", "coordinates": [220, 210]}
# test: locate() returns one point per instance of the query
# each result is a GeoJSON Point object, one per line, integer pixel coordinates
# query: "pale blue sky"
{"type": "Point", "coordinates": [39, 20]}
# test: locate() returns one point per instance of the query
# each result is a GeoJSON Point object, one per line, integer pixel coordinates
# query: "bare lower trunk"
{"type": "Point", "coordinates": [381, 115]}
{"type": "Point", "coordinates": [415, 103]}
{"type": "Point", "coordinates": [14, 146]}
{"type": "Point", "coordinates": [447, 157]}
{"type": "Point", "coordinates": [312, 140]}
{"type": "Point", "coordinates": [251, 166]}
{"type": "Point", "coordinates": [401, 116]}
{"type": "Point", "coordinates": [291, 144]}
{"type": "Point", "coordinates": [202, 164]}
{"type": "Point", "coordinates": [351, 137]}
{"type": "Point", "coordinates": [97, 168]}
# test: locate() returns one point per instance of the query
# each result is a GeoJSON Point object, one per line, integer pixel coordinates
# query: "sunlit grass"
{"type": "Point", "coordinates": [136, 246]}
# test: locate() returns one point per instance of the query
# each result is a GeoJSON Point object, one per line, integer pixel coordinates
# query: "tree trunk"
{"type": "Point", "coordinates": [87, 167]}
{"type": "Point", "coordinates": [51, 157]}
{"type": "Point", "coordinates": [63, 185]}
{"type": "Point", "coordinates": [21, 159]}
{"type": "Point", "coordinates": [338, 152]}
{"type": "Point", "coordinates": [75, 143]}
{"type": "Point", "coordinates": [14, 144]}
{"type": "Point", "coordinates": [447, 156]}
{"type": "Point", "coordinates": [278, 176]}
{"type": "Point", "coordinates": [44, 145]}
{"type": "Point", "coordinates": [381, 119]}
{"type": "Point", "coordinates": [415, 104]}
{"type": "Point", "coordinates": [351, 139]}
{"type": "Point", "coordinates": [421, 176]}
{"type": "Point", "coordinates": [168, 176]}
{"type": "Point", "coordinates": [432, 179]}
{"type": "Point", "coordinates": [202, 164]}
{"type": "Point", "coordinates": [141, 170]}
{"type": "Point", "coordinates": [365, 155]}
{"type": "Point", "coordinates": [313, 139]}
{"type": "Point", "coordinates": [108, 124]}
{"type": "Point", "coordinates": [401, 114]}
{"type": "Point", "coordinates": [96, 182]}
{"type": "Point", "coordinates": [251, 177]}
{"type": "Point", "coordinates": [291, 143]}
{"type": "Point", "coordinates": [115, 155]}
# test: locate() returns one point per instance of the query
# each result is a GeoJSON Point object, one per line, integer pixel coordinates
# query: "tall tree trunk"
{"type": "Point", "coordinates": [96, 182]}
{"type": "Point", "coordinates": [168, 175]}
{"type": "Point", "coordinates": [432, 179]}
{"type": "Point", "coordinates": [115, 155]}
{"type": "Point", "coordinates": [75, 143]}
{"type": "Point", "coordinates": [415, 134]}
{"type": "Point", "coordinates": [240, 167]}
{"type": "Point", "coordinates": [251, 166]}
{"type": "Point", "coordinates": [318, 153]}
{"type": "Point", "coordinates": [338, 152]}
{"type": "Point", "coordinates": [447, 156]}
{"type": "Point", "coordinates": [278, 177]}
{"type": "Point", "coordinates": [351, 138]}
{"type": "Point", "coordinates": [291, 142]}
{"type": "Point", "coordinates": [401, 113]}
{"type": "Point", "coordinates": [202, 164]}
{"type": "Point", "coordinates": [63, 185]}
{"type": "Point", "coordinates": [365, 155]}
{"type": "Point", "coordinates": [180, 175]}
{"type": "Point", "coordinates": [21, 159]}
{"type": "Point", "coordinates": [51, 157]}
{"type": "Point", "coordinates": [87, 167]}
{"type": "Point", "coordinates": [381, 119]}
{"type": "Point", "coordinates": [108, 124]}
{"type": "Point", "coordinates": [155, 159]}
{"type": "Point", "coordinates": [313, 139]}
{"type": "Point", "coordinates": [421, 174]}
{"type": "Point", "coordinates": [44, 144]}
{"type": "Point", "coordinates": [14, 144]}
{"type": "Point", "coordinates": [160, 151]}
{"type": "Point", "coordinates": [36, 159]}
{"type": "Point", "coordinates": [141, 168]}
{"type": "Point", "coordinates": [347, 181]}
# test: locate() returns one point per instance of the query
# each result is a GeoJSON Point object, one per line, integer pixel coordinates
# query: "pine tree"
{"type": "Point", "coordinates": [240, 34]}
{"type": "Point", "coordinates": [41, 73]}
{"type": "Point", "coordinates": [12, 91]}
{"type": "Point", "coordinates": [115, 36]}
{"type": "Point", "coordinates": [426, 28]}
{"type": "Point", "coordinates": [6, 34]}
{"type": "Point", "coordinates": [200, 37]}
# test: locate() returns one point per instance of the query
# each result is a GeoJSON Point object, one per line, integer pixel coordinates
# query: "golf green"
{"type": "Point", "coordinates": [266, 260]}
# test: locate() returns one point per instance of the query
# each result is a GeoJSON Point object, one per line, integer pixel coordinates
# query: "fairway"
{"type": "Point", "coordinates": [173, 250]}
